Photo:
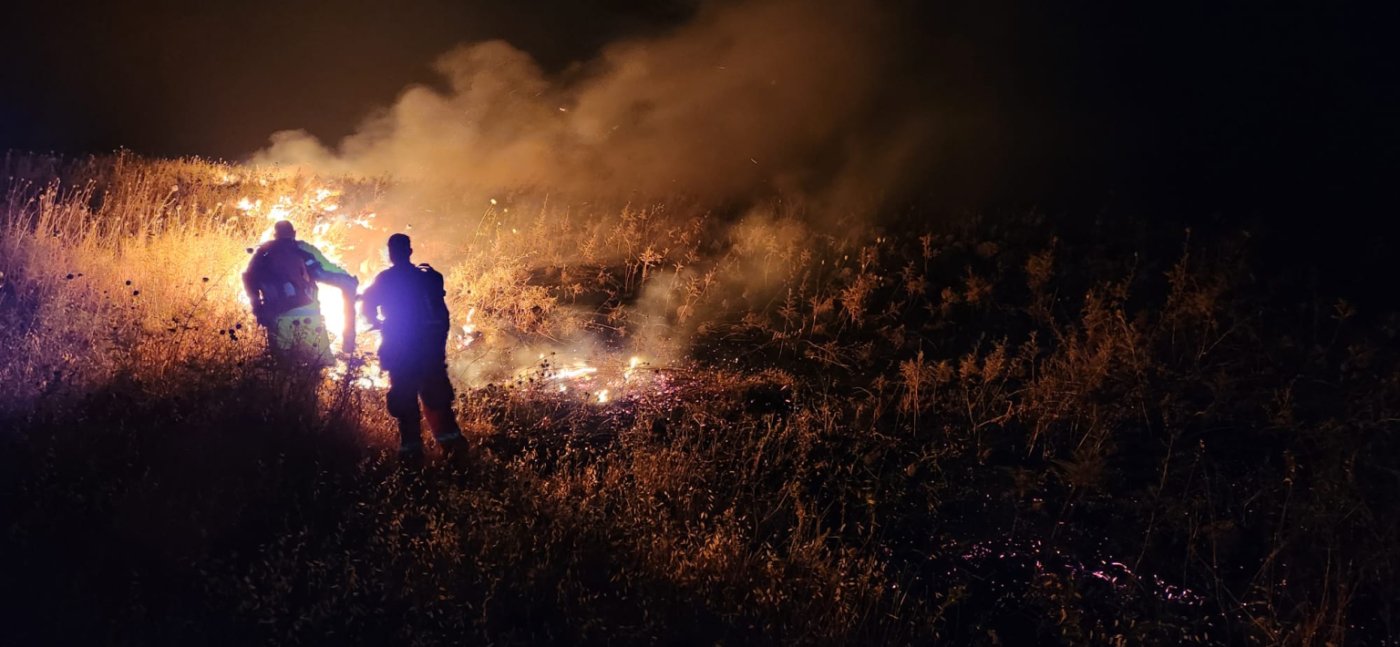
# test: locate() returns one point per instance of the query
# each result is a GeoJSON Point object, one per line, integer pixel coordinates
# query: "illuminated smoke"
{"type": "Point", "coordinates": [744, 100]}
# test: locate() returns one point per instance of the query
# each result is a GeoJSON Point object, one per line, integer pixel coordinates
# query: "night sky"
{"type": "Point", "coordinates": [216, 78]}
{"type": "Point", "coordinates": [1232, 107]}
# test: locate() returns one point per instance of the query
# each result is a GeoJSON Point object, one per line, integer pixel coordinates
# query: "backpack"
{"type": "Point", "coordinates": [282, 277]}
{"type": "Point", "coordinates": [433, 299]}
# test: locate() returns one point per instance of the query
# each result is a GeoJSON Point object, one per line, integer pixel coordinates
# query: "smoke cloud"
{"type": "Point", "coordinates": [760, 98]}
{"type": "Point", "coordinates": [779, 117]}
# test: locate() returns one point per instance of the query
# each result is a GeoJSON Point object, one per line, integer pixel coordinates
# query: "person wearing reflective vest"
{"type": "Point", "coordinates": [407, 304]}
{"type": "Point", "coordinates": [281, 285]}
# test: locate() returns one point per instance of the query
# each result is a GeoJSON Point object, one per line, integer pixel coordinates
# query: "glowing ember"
{"type": "Point", "coordinates": [632, 365]}
{"type": "Point", "coordinates": [577, 372]}
{"type": "Point", "coordinates": [611, 381]}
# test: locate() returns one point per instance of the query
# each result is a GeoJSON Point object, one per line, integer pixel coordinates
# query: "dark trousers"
{"type": "Point", "coordinates": [426, 381]}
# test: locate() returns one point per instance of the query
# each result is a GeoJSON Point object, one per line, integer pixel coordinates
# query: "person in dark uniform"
{"type": "Point", "coordinates": [407, 304]}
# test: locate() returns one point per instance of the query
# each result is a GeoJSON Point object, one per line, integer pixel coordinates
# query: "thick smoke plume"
{"type": "Point", "coordinates": [775, 96]}
{"type": "Point", "coordinates": [799, 100]}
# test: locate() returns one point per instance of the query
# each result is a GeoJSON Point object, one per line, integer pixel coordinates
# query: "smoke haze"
{"type": "Point", "coordinates": [799, 100]}
{"type": "Point", "coordinates": [776, 96]}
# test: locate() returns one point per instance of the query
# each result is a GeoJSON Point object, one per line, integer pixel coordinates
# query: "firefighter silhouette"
{"type": "Point", "coordinates": [406, 302]}
{"type": "Point", "coordinates": [281, 283]}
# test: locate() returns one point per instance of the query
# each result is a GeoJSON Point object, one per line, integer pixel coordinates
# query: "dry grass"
{"type": "Point", "coordinates": [980, 434]}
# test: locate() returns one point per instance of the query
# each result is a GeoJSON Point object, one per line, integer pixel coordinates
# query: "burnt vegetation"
{"type": "Point", "coordinates": [984, 430]}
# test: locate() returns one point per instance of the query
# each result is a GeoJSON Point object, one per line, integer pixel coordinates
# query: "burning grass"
{"type": "Point", "coordinates": [688, 425]}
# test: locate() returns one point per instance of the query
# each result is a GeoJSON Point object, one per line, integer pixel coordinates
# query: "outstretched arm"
{"type": "Point", "coordinates": [322, 269]}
